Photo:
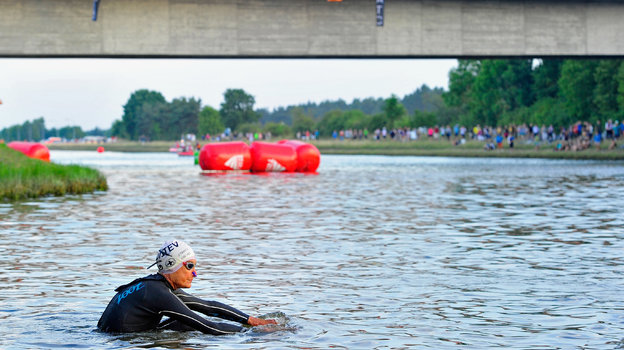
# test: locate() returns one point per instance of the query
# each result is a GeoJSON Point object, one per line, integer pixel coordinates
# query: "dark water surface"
{"type": "Point", "coordinates": [374, 252]}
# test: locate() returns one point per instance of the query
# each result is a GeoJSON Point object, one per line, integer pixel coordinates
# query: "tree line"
{"type": "Point", "coordinates": [492, 92]}
{"type": "Point", "coordinates": [422, 99]}
{"type": "Point", "coordinates": [548, 91]}
{"type": "Point", "coordinates": [36, 130]}
{"type": "Point", "coordinates": [148, 116]}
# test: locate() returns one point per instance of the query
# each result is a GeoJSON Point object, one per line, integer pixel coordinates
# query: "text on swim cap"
{"type": "Point", "coordinates": [168, 249]}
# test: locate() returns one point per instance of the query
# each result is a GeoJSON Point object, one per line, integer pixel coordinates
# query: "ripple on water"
{"type": "Point", "coordinates": [373, 252]}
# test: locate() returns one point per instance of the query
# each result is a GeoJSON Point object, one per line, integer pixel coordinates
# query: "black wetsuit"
{"type": "Point", "coordinates": [141, 304]}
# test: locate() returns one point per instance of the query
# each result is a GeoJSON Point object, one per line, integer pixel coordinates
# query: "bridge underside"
{"type": "Point", "coordinates": [310, 28]}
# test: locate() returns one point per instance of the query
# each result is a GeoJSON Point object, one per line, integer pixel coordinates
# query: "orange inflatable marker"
{"type": "Point", "coordinates": [225, 156]}
{"type": "Point", "coordinates": [32, 149]}
{"type": "Point", "coordinates": [272, 157]}
{"type": "Point", "coordinates": [308, 156]}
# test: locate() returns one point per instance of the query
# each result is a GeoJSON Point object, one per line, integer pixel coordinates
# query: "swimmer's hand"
{"type": "Point", "coordinates": [254, 321]}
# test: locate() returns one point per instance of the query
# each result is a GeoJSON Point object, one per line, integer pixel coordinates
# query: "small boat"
{"type": "Point", "coordinates": [186, 153]}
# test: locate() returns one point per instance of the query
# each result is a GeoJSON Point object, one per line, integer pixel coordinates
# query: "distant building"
{"type": "Point", "coordinates": [94, 139]}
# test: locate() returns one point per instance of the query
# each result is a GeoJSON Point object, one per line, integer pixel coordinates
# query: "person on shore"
{"type": "Point", "coordinates": [141, 304]}
{"type": "Point", "coordinates": [598, 136]}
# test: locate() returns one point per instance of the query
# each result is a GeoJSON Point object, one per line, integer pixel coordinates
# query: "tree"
{"type": "Point", "coordinates": [278, 129]}
{"type": "Point", "coordinates": [71, 132]}
{"type": "Point", "coordinates": [448, 115]}
{"type": "Point", "coordinates": [168, 121]}
{"type": "Point", "coordinates": [118, 129]}
{"type": "Point", "coordinates": [606, 90]}
{"type": "Point", "coordinates": [96, 132]}
{"type": "Point", "coordinates": [210, 122]}
{"type": "Point", "coordinates": [247, 128]}
{"type": "Point", "coordinates": [237, 108]}
{"type": "Point", "coordinates": [461, 82]}
{"type": "Point", "coordinates": [133, 108]}
{"type": "Point", "coordinates": [423, 119]}
{"type": "Point", "coordinates": [331, 121]}
{"type": "Point", "coordinates": [501, 86]}
{"type": "Point", "coordinates": [12, 133]}
{"type": "Point", "coordinates": [30, 130]}
{"type": "Point", "coordinates": [517, 82]}
{"type": "Point", "coordinates": [547, 111]}
{"type": "Point", "coordinates": [368, 105]}
{"type": "Point", "coordinates": [38, 129]}
{"type": "Point", "coordinates": [153, 122]}
{"type": "Point", "coordinates": [423, 99]}
{"type": "Point", "coordinates": [545, 77]}
{"type": "Point", "coordinates": [184, 117]}
{"type": "Point", "coordinates": [576, 87]}
{"type": "Point", "coordinates": [487, 102]}
{"type": "Point", "coordinates": [620, 87]}
{"type": "Point", "coordinates": [278, 115]}
{"type": "Point", "coordinates": [301, 121]}
{"type": "Point", "coordinates": [356, 119]}
{"type": "Point", "coordinates": [393, 110]}
{"type": "Point", "coordinates": [377, 121]}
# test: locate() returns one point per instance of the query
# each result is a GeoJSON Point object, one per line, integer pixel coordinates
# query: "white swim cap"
{"type": "Point", "coordinates": [171, 256]}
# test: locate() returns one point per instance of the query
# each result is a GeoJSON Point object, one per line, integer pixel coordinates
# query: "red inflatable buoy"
{"type": "Point", "coordinates": [225, 156]}
{"type": "Point", "coordinates": [272, 157]}
{"type": "Point", "coordinates": [308, 156]}
{"type": "Point", "coordinates": [31, 149]}
{"type": "Point", "coordinates": [100, 149]}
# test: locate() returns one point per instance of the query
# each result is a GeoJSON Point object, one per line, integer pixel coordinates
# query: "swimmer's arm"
{"type": "Point", "coordinates": [212, 308]}
{"type": "Point", "coordinates": [217, 309]}
{"type": "Point", "coordinates": [254, 321]}
{"type": "Point", "coordinates": [177, 310]}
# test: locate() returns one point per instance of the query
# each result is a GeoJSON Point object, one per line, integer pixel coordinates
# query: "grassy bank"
{"type": "Point", "coordinates": [469, 149]}
{"type": "Point", "coordinates": [122, 146]}
{"type": "Point", "coordinates": [22, 177]}
{"type": "Point", "coordinates": [425, 147]}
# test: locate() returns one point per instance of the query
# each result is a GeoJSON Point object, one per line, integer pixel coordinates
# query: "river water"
{"type": "Point", "coordinates": [373, 252]}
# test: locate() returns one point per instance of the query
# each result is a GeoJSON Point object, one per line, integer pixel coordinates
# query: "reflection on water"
{"type": "Point", "coordinates": [373, 252]}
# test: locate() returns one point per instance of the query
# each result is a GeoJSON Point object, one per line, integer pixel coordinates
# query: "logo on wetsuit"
{"type": "Point", "coordinates": [129, 291]}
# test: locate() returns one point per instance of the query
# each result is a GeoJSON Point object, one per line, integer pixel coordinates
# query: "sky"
{"type": "Point", "coordinates": [91, 92]}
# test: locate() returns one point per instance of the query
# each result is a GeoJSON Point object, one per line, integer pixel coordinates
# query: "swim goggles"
{"type": "Point", "coordinates": [189, 265]}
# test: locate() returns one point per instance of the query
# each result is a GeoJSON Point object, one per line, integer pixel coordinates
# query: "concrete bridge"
{"type": "Point", "coordinates": [310, 28]}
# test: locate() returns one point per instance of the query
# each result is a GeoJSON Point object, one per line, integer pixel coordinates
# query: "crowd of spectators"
{"type": "Point", "coordinates": [576, 137]}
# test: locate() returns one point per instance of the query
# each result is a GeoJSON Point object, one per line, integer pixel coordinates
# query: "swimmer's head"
{"type": "Point", "coordinates": [171, 255]}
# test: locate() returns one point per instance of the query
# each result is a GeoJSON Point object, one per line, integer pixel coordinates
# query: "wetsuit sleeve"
{"type": "Point", "coordinates": [175, 309]}
{"type": "Point", "coordinates": [212, 308]}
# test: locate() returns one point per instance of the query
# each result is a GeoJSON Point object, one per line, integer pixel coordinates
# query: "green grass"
{"type": "Point", "coordinates": [421, 147]}
{"type": "Point", "coordinates": [22, 177]}
{"type": "Point", "coordinates": [445, 148]}
{"type": "Point", "coordinates": [122, 146]}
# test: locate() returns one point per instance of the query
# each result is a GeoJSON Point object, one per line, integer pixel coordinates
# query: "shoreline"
{"type": "Point", "coordinates": [436, 148]}
{"type": "Point", "coordinates": [23, 178]}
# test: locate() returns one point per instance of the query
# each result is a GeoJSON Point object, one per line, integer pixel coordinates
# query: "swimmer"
{"type": "Point", "coordinates": [141, 304]}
